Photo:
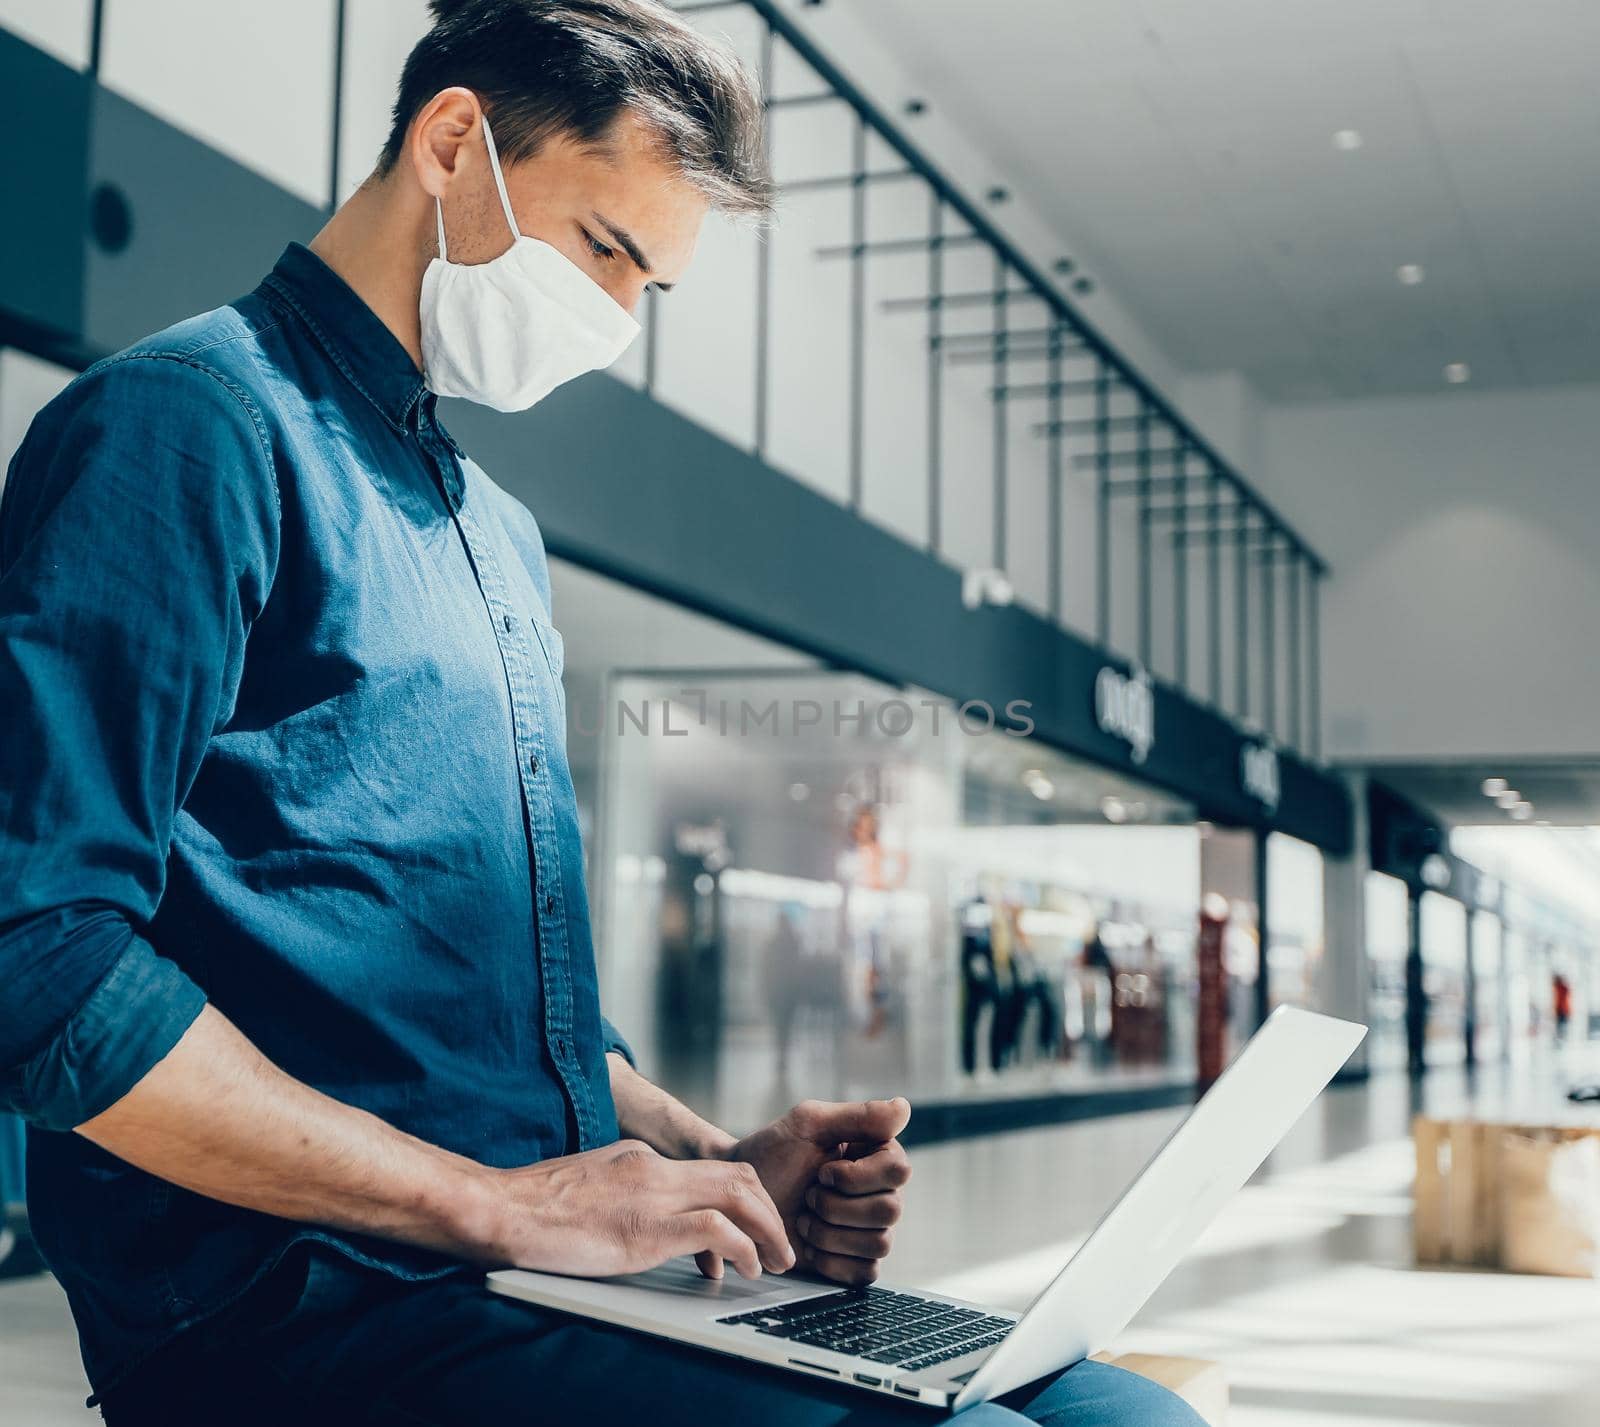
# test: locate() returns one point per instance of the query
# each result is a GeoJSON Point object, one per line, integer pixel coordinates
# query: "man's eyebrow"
{"type": "Point", "coordinates": [625, 242]}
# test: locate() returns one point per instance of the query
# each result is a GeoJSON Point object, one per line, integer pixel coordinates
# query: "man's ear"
{"type": "Point", "coordinates": [438, 144]}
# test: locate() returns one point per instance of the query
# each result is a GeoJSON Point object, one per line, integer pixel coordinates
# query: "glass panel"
{"type": "Point", "coordinates": [1295, 914]}
{"type": "Point", "coordinates": [58, 26]}
{"type": "Point", "coordinates": [1444, 978]}
{"type": "Point", "coordinates": [1489, 1000]}
{"type": "Point", "coordinates": [254, 81]}
{"type": "Point", "coordinates": [378, 36]}
{"type": "Point", "coordinates": [1388, 934]}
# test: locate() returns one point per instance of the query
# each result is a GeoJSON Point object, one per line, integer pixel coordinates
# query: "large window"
{"type": "Point", "coordinates": [1295, 917]}
{"type": "Point", "coordinates": [1444, 978]}
{"type": "Point", "coordinates": [1489, 997]}
{"type": "Point", "coordinates": [806, 881]}
{"type": "Point", "coordinates": [1388, 939]}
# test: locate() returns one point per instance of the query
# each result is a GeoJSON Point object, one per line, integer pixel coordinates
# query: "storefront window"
{"type": "Point", "coordinates": [1075, 895]}
{"type": "Point", "coordinates": [1489, 990]}
{"type": "Point", "coordinates": [1388, 936]}
{"type": "Point", "coordinates": [1295, 922]}
{"type": "Point", "coordinates": [1444, 978]}
{"type": "Point", "coordinates": [807, 882]}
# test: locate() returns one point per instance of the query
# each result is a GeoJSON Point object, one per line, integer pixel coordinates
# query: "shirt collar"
{"type": "Point", "coordinates": [351, 333]}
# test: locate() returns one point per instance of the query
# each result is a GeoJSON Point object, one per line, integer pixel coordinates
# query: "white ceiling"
{"type": "Point", "coordinates": [1186, 146]}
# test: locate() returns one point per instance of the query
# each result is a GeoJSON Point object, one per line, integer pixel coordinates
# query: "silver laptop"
{"type": "Point", "coordinates": [946, 1353]}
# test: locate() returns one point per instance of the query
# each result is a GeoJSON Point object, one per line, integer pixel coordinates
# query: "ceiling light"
{"type": "Point", "coordinates": [1347, 141]}
{"type": "Point", "coordinates": [1410, 273]}
{"type": "Point", "coordinates": [1508, 798]}
{"type": "Point", "coordinates": [1457, 372]}
{"type": "Point", "coordinates": [1522, 812]}
{"type": "Point", "coordinates": [1493, 787]}
{"type": "Point", "coordinates": [1115, 810]}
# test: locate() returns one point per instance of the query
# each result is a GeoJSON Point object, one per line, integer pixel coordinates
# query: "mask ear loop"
{"type": "Point", "coordinates": [499, 179]}
{"type": "Point", "coordinates": [500, 185]}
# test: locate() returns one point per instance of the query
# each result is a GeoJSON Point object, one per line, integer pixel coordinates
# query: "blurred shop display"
{"type": "Point", "coordinates": [806, 878]}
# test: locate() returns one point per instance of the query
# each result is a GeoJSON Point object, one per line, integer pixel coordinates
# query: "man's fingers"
{"type": "Point", "coordinates": [736, 1191]}
{"type": "Point", "coordinates": [708, 1263]}
{"type": "Point", "coordinates": [853, 1243]}
{"type": "Point", "coordinates": [841, 1268]}
{"type": "Point", "coordinates": [873, 1121]}
{"type": "Point", "coordinates": [856, 1211]}
{"type": "Point", "coordinates": [886, 1167]}
{"type": "Point", "coordinates": [706, 1230]}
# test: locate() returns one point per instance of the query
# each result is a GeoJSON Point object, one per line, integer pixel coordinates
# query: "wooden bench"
{"type": "Point", "coordinates": [1203, 1385]}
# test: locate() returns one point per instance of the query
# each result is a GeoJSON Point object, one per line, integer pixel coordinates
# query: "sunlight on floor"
{"type": "Point", "coordinates": [1379, 1343]}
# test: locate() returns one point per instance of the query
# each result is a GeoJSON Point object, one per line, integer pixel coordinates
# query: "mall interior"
{"type": "Point", "coordinates": [1106, 563]}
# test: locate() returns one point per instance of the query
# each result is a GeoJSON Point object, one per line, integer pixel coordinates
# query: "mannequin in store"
{"type": "Point", "coordinates": [301, 1003]}
{"type": "Point", "coordinates": [979, 986]}
{"type": "Point", "coordinates": [869, 872]}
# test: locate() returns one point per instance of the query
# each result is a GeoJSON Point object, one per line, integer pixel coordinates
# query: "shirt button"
{"type": "Point", "coordinates": [507, 619]}
{"type": "Point", "coordinates": [533, 763]}
{"type": "Point", "coordinates": [550, 905]}
{"type": "Point", "coordinates": [561, 1047]}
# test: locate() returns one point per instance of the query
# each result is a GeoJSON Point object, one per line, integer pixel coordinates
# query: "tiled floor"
{"type": "Point", "coordinates": [1304, 1290]}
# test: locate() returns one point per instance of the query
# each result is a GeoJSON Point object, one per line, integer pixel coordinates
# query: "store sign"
{"type": "Point", "coordinates": [1259, 774]}
{"type": "Point", "coordinates": [1125, 707]}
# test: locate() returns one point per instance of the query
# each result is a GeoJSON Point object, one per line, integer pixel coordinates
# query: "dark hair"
{"type": "Point", "coordinates": [546, 67]}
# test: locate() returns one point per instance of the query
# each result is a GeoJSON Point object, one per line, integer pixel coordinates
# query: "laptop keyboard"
{"type": "Point", "coordinates": [895, 1329]}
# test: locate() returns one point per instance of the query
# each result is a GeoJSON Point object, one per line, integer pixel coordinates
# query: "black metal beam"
{"type": "Point", "coordinates": [1097, 424]}
{"type": "Point", "coordinates": [97, 37]}
{"type": "Point", "coordinates": [955, 299]}
{"type": "Point", "coordinates": [804, 101]}
{"type": "Point", "coordinates": [764, 268]}
{"type": "Point", "coordinates": [1314, 658]}
{"type": "Point", "coordinates": [935, 381]}
{"type": "Point", "coordinates": [1085, 386]}
{"type": "Point", "coordinates": [1146, 574]}
{"type": "Point", "coordinates": [897, 245]}
{"type": "Point", "coordinates": [1027, 354]}
{"type": "Point", "coordinates": [858, 319]}
{"type": "Point", "coordinates": [1054, 474]}
{"type": "Point", "coordinates": [999, 424]}
{"type": "Point", "coordinates": [338, 103]}
{"type": "Point", "coordinates": [1128, 457]}
{"type": "Point", "coordinates": [1102, 447]}
{"type": "Point", "coordinates": [847, 180]}
{"type": "Point", "coordinates": [1214, 588]}
{"type": "Point", "coordinates": [1180, 572]}
{"type": "Point", "coordinates": [1042, 336]}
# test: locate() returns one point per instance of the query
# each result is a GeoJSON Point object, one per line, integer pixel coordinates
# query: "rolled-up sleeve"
{"type": "Point", "coordinates": [138, 541]}
{"type": "Point", "coordinates": [612, 1041]}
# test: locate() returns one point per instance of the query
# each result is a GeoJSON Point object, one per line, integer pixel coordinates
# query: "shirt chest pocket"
{"type": "Point", "coordinates": [554, 648]}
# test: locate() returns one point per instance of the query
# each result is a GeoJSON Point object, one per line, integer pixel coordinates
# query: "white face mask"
{"type": "Point", "coordinates": [508, 332]}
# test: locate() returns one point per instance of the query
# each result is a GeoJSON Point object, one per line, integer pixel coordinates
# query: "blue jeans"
{"type": "Point", "coordinates": [322, 1339]}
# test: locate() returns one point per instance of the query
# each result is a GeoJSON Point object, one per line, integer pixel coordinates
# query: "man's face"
{"type": "Point", "coordinates": [627, 217]}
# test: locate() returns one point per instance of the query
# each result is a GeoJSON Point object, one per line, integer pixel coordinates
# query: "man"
{"type": "Point", "coordinates": [301, 998]}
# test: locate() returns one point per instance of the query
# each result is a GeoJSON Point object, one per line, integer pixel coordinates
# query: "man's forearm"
{"type": "Point", "coordinates": [646, 1112]}
{"type": "Point", "coordinates": [215, 1116]}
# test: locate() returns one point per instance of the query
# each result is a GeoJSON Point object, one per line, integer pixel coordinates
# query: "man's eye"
{"type": "Point", "coordinates": [598, 248]}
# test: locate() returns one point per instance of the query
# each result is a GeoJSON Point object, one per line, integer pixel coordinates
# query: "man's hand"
{"type": "Point", "coordinates": [624, 1208]}
{"type": "Point", "coordinates": [835, 1173]}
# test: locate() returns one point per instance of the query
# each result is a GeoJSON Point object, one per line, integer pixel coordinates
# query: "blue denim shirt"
{"type": "Point", "coordinates": [282, 730]}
